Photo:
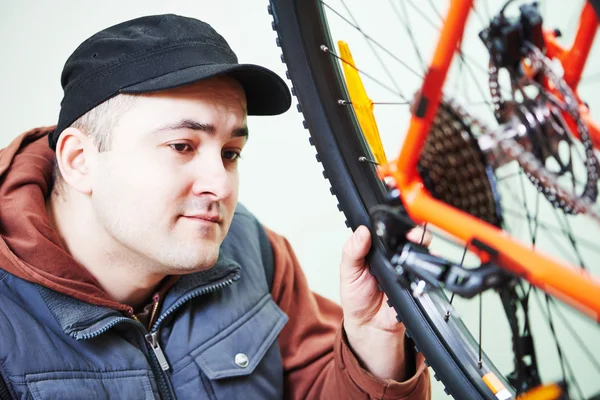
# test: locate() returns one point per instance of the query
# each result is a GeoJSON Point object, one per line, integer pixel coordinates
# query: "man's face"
{"type": "Point", "coordinates": [166, 191]}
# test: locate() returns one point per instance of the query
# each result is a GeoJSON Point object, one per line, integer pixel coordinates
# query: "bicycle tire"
{"type": "Point", "coordinates": [317, 84]}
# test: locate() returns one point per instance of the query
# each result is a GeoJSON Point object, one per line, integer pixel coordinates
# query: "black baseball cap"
{"type": "Point", "coordinates": [155, 53]}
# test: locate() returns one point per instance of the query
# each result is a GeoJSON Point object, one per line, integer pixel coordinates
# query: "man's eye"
{"type": "Point", "coordinates": [181, 147]}
{"type": "Point", "coordinates": [231, 155]}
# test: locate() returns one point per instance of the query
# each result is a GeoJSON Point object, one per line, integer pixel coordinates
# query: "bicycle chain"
{"type": "Point", "coordinates": [549, 188]}
{"type": "Point", "coordinates": [540, 176]}
{"type": "Point", "coordinates": [455, 170]}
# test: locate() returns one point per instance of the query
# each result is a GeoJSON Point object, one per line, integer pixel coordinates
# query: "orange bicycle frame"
{"type": "Point", "coordinates": [571, 284]}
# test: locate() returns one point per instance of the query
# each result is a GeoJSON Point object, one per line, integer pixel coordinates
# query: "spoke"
{"type": "Point", "coordinates": [462, 55]}
{"type": "Point", "coordinates": [451, 300]}
{"type": "Point", "coordinates": [435, 10]}
{"type": "Point", "coordinates": [447, 238]}
{"type": "Point", "coordinates": [569, 370]}
{"type": "Point", "coordinates": [515, 230]}
{"type": "Point", "coordinates": [573, 179]}
{"type": "Point", "coordinates": [425, 17]}
{"type": "Point", "coordinates": [373, 43]}
{"type": "Point", "coordinates": [479, 362]}
{"type": "Point", "coordinates": [461, 63]}
{"type": "Point", "coordinates": [477, 84]}
{"type": "Point", "coordinates": [536, 221]}
{"type": "Point", "coordinates": [572, 240]}
{"type": "Point", "coordinates": [383, 85]}
{"type": "Point", "coordinates": [529, 218]}
{"type": "Point", "coordinates": [559, 246]}
{"type": "Point", "coordinates": [465, 87]}
{"type": "Point", "coordinates": [580, 343]}
{"type": "Point", "coordinates": [505, 227]}
{"type": "Point", "coordinates": [511, 175]}
{"type": "Point", "coordinates": [438, 29]}
{"type": "Point", "coordinates": [558, 349]}
{"type": "Point", "coordinates": [591, 246]}
{"type": "Point", "coordinates": [573, 149]}
{"type": "Point", "coordinates": [551, 97]}
{"type": "Point", "coordinates": [566, 228]}
{"type": "Point", "coordinates": [473, 63]}
{"type": "Point", "coordinates": [462, 260]}
{"type": "Point", "coordinates": [424, 232]}
{"type": "Point", "coordinates": [523, 302]}
{"type": "Point", "coordinates": [526, 309]}
{"type": "Point", "coordinates": [578, 153]}
{"type": "Point", "coordinates": [409, 31]}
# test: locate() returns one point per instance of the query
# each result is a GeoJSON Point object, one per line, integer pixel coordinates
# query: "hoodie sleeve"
{"type": "Point", "coordinates": [317, 361]}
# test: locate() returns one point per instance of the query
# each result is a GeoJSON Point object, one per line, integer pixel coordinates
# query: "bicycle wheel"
{"type": "Point", "coordinates": [444, 338]}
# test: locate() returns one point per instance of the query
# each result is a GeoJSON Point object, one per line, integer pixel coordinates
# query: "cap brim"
{"type": "Point", "coordinates": [266, 92]}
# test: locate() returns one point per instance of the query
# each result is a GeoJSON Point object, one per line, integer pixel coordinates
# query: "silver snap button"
{"type": "Point", "coordinates": [241, 360]}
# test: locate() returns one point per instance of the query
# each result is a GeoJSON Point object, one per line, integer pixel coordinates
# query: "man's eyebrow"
{"type": "Point", "coordinates": [241, 132]}
{"type": "Point", "coordinates": [199, 126]}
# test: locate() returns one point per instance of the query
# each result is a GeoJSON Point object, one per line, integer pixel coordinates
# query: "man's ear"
{"type": "Point", "coordinates": [75, 152]}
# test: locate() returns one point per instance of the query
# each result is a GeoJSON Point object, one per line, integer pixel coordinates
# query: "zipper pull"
{"type": "Point", "coordinates": [151, 338]}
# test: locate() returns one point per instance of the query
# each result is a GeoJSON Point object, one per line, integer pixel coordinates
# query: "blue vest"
{"type": "Point", "coordinates": [215, 337]}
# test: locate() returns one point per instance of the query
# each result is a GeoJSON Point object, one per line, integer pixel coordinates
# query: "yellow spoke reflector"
{"type": "Point", "coordinates": [363, 106]}
{"type": "Point", "coordinates": [542, 392]}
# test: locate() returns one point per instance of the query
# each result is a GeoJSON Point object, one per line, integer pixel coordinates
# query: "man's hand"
{"type": "Point", "coordinates": [373, 332]}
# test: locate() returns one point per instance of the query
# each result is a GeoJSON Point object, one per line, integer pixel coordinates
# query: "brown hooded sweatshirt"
{"type": "Point", "coordinates": [317, 361]}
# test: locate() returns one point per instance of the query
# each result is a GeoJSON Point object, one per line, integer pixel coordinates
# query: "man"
{"type": "Point", "coordinates": [128, 270]}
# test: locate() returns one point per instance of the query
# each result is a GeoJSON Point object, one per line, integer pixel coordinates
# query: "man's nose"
{"type": "Point", "coordinates": [212, 177]}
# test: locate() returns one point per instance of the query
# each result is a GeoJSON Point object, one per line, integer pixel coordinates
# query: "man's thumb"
{"type": "Point", "coordinates": [361, 236]}
{"type": "Point", "coordinates": [358, 246]}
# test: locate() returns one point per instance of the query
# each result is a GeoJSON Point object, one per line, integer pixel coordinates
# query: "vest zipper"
{"type": "Point", "coordinates": [158, 361]}
{"type": "Point", "coordinates": [152, 340]}
{"type": "Point", "coordinates": [152, 337]}
{"type": "Point", "coordinates": [158, 357]}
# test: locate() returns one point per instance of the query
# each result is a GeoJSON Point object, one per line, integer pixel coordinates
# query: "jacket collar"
{"type": "Point", "coordinates": [82, 320]}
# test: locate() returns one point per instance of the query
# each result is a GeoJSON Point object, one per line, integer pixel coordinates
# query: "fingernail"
{"type": "Point", "coordinates": [362, 233]}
